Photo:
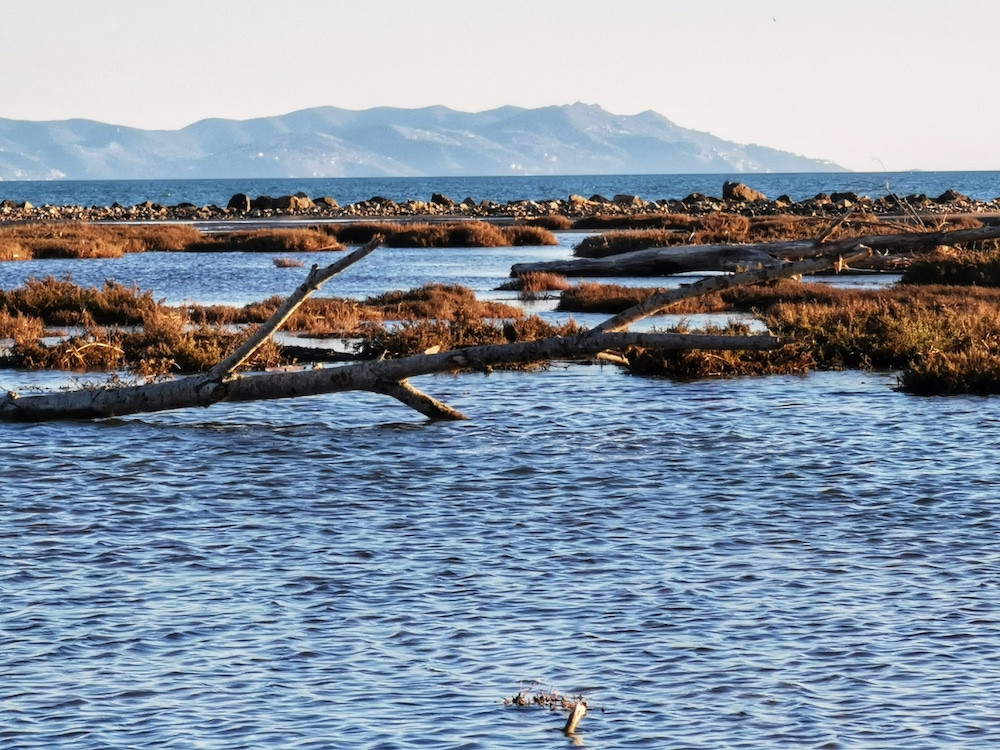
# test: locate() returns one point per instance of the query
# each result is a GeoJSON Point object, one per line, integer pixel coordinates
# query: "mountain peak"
{"type": "Point", "coordinates": [576, 138]}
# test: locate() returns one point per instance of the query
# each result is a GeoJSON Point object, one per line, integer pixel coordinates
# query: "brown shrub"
{"type": "Point", "coordinates": [593, 297]}
{"type": "Point", "coordinates": [417, 337]}
{"type": "Point", "coordinates": [439, 302]}
{"type": "Point", "coordinates": [535, 282]}
{"type": "Point", "coordinates": [61, 302]}
{"type": "Point", "coordinates": [266, 241]}
{"type": "Point", "coordinates": [553, 222]}
{"type": "Point", "coordinates": [441, 234]}
{"type": "Point", "coordinates": [85, 240]}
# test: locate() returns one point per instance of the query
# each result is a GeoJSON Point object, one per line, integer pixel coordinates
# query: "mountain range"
{"type": "Point", "coordinates": [385, 141]}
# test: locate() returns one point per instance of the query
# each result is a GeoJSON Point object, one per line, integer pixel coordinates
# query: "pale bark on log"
{"type": "Point", "coordinates": [654, 262]}
{"type": "Point", "coordinates": [316, 278]}
{"type": "Point", "coordinates": [377, 376]}
{"type": "Point", "coordinates": [657, 261]}
{"type": "Point", "coordinates": [662, 300]}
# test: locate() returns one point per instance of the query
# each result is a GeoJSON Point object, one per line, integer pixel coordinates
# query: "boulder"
{"type": "Point", "coordinates": [286, 203]}
{"type": "Point", "coordinates": [262, 203]}
{"type": "Point", "coordinates": [326, 202]}
{"type": "Point", "coordinates": [442, 200]}
{"type": "Point", "coordinates": [695, 198]}
{"type": "Point", "coordinates": [239, 202]}
{"type": "Point", "coordinates": [952, 196]}
{"type": "Point", "coordinates": [848, 196]}
{"type": "Point", "coordinates": [624, 199]}
{"type": "Point", "coordinates": [737, 191]}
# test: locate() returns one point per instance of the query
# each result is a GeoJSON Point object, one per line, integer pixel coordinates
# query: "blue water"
{"type": "Point", "coordinates": [787, 562]}
{"type": "Point", "coordinates": [800, 186]}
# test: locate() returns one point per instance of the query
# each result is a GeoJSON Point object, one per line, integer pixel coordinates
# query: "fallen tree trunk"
{"type": "Point", "coordinates": [380, 376]}
{"type": "Point", "coordinates": [659, 261]}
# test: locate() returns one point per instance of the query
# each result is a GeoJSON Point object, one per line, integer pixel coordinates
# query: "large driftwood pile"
{"type": "Point", "coordinates": [391, 377]}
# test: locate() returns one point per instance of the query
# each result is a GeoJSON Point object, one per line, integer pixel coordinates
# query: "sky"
{"type": "Point", "coordinates": [873, 86]}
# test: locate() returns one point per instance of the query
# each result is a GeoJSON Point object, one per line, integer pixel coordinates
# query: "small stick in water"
{"type": "Point", "coordinates": [578, 712]}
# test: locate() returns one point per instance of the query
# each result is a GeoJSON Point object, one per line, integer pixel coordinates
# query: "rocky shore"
{"type": "Point", "coordinates": [736, 198]}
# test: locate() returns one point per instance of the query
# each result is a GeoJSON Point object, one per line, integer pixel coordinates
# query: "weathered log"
{"type": "Point", "coordinates": [662, 300]}
{"type": "Point", "coordinates": [656, 261]}
{"type": "Point", "coordinates": [378, 376]}
{"type": "Point", "coordinates": [659, 261]}
{"type": "Point", "coordinates": [316, 278]}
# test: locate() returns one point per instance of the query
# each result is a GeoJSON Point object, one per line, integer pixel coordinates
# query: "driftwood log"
{"type": "Point", "coordinates": [666, 261]}
{"type": "Point", "coordinates": [389, 377]}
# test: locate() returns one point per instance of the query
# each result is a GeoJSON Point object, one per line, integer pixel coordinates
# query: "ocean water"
{"type": "Point", "coordinates": [800, 186]}
{"type": "Point", "coordinates": [782, 562]}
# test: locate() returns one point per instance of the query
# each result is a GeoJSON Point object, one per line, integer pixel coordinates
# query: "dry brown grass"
{"type": "Point", "coordinates": [946, 265]}
{"type": "Point", "coordinates": [536, 282]}
{"type": "Point", "coordinates": [84, 240]}
{"type": "Point", "coordinates": [287, 262]}
{"type": "Point", "coordinates": [439, 302]}
{"type": "Point", "coordinates": [553, 222]}
{"type": "Point", "coordinates": [420, 336]}
{"type": "Point", "coordinates": [441, 234]}
{"type": "Point", "coordinates": [592, 297]}
{"type": "Point", "coordinates": [60, 302]}
{"type": "Point", "coordinates": [266, 241]}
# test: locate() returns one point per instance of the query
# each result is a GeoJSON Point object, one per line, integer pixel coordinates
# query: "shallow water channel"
{"type": "Point", "coordinates": [800, 562]}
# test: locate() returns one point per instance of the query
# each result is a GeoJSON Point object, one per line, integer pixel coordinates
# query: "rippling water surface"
{"type": "Point", "coordinates": [779, 562]}
{"type": "Point", "coordinates": [798, 185]}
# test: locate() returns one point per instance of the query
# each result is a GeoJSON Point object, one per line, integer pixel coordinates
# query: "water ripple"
{"type": "Point", "coordinates": [780, 562]}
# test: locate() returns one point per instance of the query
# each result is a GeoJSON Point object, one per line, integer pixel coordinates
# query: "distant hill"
{"type": "Point", "coordinates": [434, 141]}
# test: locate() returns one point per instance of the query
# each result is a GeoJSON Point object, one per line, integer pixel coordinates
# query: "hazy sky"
{"type": "Point", "coordinates": [870, 85]}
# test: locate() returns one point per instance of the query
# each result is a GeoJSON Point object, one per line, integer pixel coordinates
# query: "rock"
{"type": "Point", "coordinates": [326, 202]}
{"type": "Point", "coordinates": [952, 196]}
{"type": "Point", "coordinates": [442, 200]}
{"type": "Point", "coordinates": [304, 200]}
{"type": "Point", "coordinates": [624, 199]}
{"type": "Point", "coordinates": [239, 202]}
{"type": "Point", "coordinates": [579, 200]}
{"type": "Point", "coordinates": [838, 197]}
{"type": "Point", "coordinates": [262, 203]}
{"type": "Point", "coordinates": [469, 203]}
{"type": "Point", "coordinates": [286, 203]}
{"type": "Point", "coordinates": [695, 198]}
{"type": "Point", "coordinates": [737, 191]}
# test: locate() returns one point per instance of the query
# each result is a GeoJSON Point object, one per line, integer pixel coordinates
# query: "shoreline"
{"type": "Point", "coordinates": [737, 199]}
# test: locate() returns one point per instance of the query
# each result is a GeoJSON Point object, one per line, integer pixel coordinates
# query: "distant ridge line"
{"type": "Point", "coordinates": [574, 139]}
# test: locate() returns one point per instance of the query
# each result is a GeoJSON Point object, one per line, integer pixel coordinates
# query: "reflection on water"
{"type": "Point", "coordinates": [774, 562]}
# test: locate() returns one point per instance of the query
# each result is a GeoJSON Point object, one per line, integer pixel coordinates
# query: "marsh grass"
{"type": "Point", "coordinates": [60, 302]}
{"type": "Point", "coordinates": [441, 234]}
{"type": "Point", "coordinates": [415, 337]}
{"type": "Point", "coordinates": [85, 240]}
{"type": "Point", "coordinates": [947, 265]}
{"type": "Point", "coordinates": [439, 302]}
{"type": "Point", "coordinates": [266, 241]}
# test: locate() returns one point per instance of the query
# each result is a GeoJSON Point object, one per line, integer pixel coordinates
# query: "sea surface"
{"type": "Point", "coordinates": [780, 562]}
{"type": "Point", "coordinates": [799, 186]}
